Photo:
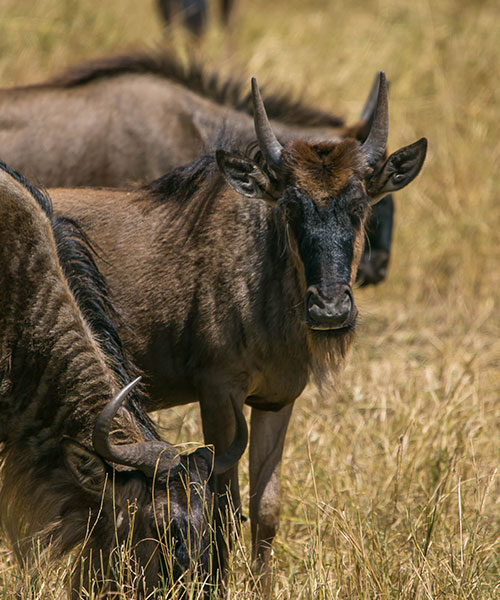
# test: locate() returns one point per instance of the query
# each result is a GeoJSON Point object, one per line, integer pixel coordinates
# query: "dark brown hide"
{"type": "Point", "coordinates": [133, 118]}
{"type": "Point", "coordinates": [61, 362]}
{"type": "Point", "coordinates": [212, 308]}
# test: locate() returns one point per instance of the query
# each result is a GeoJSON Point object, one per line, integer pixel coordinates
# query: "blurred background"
{"type": "Point", "coordinates": [390, 486]}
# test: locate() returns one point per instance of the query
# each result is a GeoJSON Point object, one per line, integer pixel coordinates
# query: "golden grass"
{"type": "Point", "coordinates": [391, 488]}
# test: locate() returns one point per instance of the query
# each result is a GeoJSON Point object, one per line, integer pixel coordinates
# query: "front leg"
{"type": "Point", "coordinates": [267, 437]}
{"type": "Point", "coordinates": [218, 422]}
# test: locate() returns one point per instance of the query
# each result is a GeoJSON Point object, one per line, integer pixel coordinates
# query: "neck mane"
{"type": "Point", "coordinates": [226, 91]}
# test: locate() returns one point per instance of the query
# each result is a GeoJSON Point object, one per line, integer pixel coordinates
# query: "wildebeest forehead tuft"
{"type": "Point", "coordinates": [324, 169]}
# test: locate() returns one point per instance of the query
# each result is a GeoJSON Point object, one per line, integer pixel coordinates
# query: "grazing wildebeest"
{"type": "Point", "coordinates": [61, 365]}
{"type": "Point", "coordinates": [235, 276]}
{"type": "Point", "coordinates": [133, 118]}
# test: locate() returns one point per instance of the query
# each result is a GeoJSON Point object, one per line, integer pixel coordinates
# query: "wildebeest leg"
{"type": "Point", "coordinates": [217, 417]}
{"type": "Point", "coordinates": [167, 9]}
{"type": "Point", "coordinates": [267, 437]}
{"type": "Point", "coordinates": [226, 7]}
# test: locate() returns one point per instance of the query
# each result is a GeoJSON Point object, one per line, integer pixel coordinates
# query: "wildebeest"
{"type": "Point", "coordinates": [65, 479]}
{"type": "Point", "coordinates": [133, 118]}
{"type": "Point", "coordinates": [235, 276]}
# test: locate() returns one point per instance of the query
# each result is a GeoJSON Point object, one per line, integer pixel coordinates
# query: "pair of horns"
{"type": "Point", "coordinates": [373, 147]}
{"type": "Point", "coordinates": [157, 456]}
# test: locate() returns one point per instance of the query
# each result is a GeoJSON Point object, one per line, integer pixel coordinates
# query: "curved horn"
{"type": "Point", "coordinates": [235, 451]}
{"type": "Point", "coordinates": [147, 457]}
{"type": "Point", "coordinates": [374, 146]}
{"type": "Point", "coordinates": [371, 102]}
{"type": "Point", "coordinates": [268, 143]}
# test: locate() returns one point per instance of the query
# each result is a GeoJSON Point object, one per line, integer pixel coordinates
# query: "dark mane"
{"type": "Point", "coordinates": [90, 290]}
{"type": "Point", "coordinates": [183, 182]}
{"type": "Point", "coordinates": [180, 188]}
{"type": "Point", "coordinates": [192, 190]}
{"type": "Point", "coordinates": [39, 194]}
{"type": "Point", "coordinates": [229, 91]}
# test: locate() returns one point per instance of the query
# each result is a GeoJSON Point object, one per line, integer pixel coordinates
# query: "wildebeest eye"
{"type": "Point", "coordinates": [398, 177]}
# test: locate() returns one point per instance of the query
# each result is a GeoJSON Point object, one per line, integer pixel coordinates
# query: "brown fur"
{"type": "Point", "coordinates": [133, 118]}
{"type": "Point", "coordinates": [235, 281]}
{"type": "Point", "coordinates": [54, 381]}
{"type": "Point", "coordinates": [323, 170]}
{"type": "Point", "coordinates": [194, 76]}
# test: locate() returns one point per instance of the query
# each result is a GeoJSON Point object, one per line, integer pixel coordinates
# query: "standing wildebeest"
{"type": "Point", "coordinates": [134, 118]}
{"type": "Point", "coordinates": [235, 276]}
{"type": "Point", "coordinates": [61, 363]}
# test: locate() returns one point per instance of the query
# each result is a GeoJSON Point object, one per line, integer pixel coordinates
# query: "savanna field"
{"type": "Point", "coordinates": [391, 482]}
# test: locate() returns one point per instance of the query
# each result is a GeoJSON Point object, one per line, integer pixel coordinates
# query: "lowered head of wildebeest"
{"type": "Point", "coordinates": [162, 508]}
{"type": "Point", "coordinates": [67, 482]}
{"type": "Point", "coordinates": [323, 192]}
{"type": "Point", "coordinates": [159, 507]}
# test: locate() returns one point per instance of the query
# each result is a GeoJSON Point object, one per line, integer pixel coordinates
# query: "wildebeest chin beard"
{"type": "Point", "coordinates": [325, 332]}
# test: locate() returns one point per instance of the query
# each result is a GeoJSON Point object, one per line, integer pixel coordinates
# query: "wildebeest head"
{"type": "Point", "coordinates": [324, 192]}
{"type": "Point", "coordinates": [163, 507]}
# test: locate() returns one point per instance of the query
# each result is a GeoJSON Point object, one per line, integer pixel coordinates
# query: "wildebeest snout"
{"type": "Point", "coordinates": [335, 312]}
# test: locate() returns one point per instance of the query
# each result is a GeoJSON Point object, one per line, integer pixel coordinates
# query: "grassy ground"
{"type": "Point", "coordinates": [391, 487]}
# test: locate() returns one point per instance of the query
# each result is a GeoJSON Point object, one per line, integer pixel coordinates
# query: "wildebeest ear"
{"type": "Point", "coordinates": [398, 170]}
{"type": "Point", "coordinates": [245, 176]}
{"type": "Point", "coordinates": [87, 468]}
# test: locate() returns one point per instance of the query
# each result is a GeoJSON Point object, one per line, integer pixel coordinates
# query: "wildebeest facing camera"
{"type": "Point", "coordinates": [250, 276]}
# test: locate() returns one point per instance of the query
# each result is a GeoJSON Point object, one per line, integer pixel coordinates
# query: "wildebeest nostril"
{"type": "Point", "coordinates": [313, 298]}
{"type": "Point", "coordinates": [332, 313]}
{"type": "Point", "coordinates": [346, 303]}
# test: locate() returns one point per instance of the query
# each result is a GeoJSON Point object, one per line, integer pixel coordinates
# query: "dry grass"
{"type": "Point", "coordinates": [391, 487]}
